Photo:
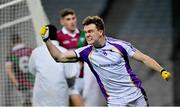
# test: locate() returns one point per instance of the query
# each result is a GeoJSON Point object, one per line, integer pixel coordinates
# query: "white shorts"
{"type": "Point", "coordinates": [73, 91]}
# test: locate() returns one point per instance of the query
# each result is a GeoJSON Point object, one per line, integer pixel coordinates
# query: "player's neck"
{"type": "Point", "coordinates": [101, 43]}
{"type": "Point", "coordinates": [71, 31]}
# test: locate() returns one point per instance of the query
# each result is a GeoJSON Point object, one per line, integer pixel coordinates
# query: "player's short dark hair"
{"type": "Point", "coordinates": [15, 38]}
{"type": "Point", "coordinates": [94, 20]}
{"type": "Point", "coordinates": [66, 12]}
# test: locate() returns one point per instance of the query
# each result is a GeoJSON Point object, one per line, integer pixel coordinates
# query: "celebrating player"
{"type": "Point", "coordinates": [71, 37]}
{"type": "Point", "coordinates": [108, 60]}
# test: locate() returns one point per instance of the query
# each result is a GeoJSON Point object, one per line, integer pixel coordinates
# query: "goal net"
{"type": "Point", "coordinates": [23, 18]}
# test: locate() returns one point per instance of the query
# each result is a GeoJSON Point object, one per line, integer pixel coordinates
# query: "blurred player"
{"type": "Point", "coordinates": [108, 60]}
{"type": "Point", "coordinates": [71, 37]}
{"type": "Point", "coordinates": [50, 88]}
{"type": "Point", "coordinates": [17, 69]}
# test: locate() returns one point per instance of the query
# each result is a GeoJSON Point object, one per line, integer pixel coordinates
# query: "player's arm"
{"type": "Point", "coordinates": [10, 73]}
{"type": "Point", "coordinates": [68, 56]}
{"type": "Point", "coordinates": [32, 64]}
{"type": "Point", "coordinates": [151, 63]}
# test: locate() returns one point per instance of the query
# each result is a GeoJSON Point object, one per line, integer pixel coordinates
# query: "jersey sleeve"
{"type": "Point", "coordinates": [129, 48]}
{"type": "Point", "coordinates": [31, 64]}
{"type": "Point", "coordinates": [77, 52]}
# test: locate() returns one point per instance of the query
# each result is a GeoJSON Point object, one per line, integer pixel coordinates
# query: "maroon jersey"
{"type": "Point", "coordinates": [72, 41]}
{"type": "Point", "coordinates": [20, 59]}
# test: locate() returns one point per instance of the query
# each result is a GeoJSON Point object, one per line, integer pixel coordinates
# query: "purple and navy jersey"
{"type": "Point", "coordinates": [110, 65]}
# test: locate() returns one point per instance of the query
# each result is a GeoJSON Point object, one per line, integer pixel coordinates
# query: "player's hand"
{"type": "Point", "coordinates": [48, 31]}
{"type": "Point", "coordinates": [44, 32]}
{"type": "Point", "coordinates": [165, 75]}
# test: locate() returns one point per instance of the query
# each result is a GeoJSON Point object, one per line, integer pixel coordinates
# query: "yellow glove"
{"type": "Point", "coordinates": [48, 31]}
{"type": "Point", "coordinates": [44, 32]}
{"type": "Point", "coordinates": [165, 74]}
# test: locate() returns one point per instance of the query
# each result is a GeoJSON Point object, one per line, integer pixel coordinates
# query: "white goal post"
{"type": "Point", "coordinates": [22, 17]}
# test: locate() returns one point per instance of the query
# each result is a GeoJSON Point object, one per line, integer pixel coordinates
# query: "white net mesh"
{"type": "Point", "coordinates": [16, 18]}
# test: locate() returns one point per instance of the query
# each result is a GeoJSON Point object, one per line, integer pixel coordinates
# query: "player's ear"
{"type": "Point", "coordinates": [101, 32]}
{"type": "Point", "coordinates": [62, 22]}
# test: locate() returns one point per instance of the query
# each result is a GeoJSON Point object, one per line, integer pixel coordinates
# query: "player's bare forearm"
{"type": "Point", "coordinates": [151, 63]}
{"type": "Point", "coordinates": [55, 53]}
{"type": "Point", "coordinates": [45, 32]}
{"type": "Point", "coordinates": [148, 61]}
{"type": "Point", "coordinates": [59, 56]}
{"type": "Point", "coordinates": [9, 71]}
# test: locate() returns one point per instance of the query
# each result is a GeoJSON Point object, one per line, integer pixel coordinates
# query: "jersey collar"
{"type": "Point", "coordinates": [65, 31]}
{"type": "Point", "coordinates": [103, 45]}
{"type": "Point", "coordinates": [18, 46]}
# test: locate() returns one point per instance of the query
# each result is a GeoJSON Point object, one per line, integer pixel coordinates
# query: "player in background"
{"type": "Point", "coordinates": [71, 37]}
{"type": "Point", "coordinates": [108, 60]}
{"type": "Point", "coordinates": [50, 87]}
{"type": "Point", "coordinates": [17, 69]}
